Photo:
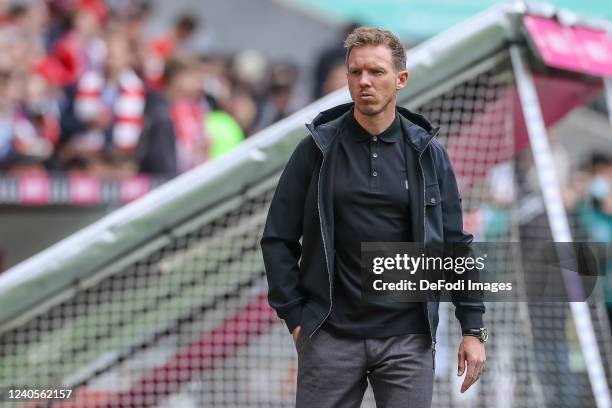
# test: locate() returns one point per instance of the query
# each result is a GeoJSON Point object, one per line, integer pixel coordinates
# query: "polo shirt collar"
{"type": "Point", "coordinates": [359, 134]}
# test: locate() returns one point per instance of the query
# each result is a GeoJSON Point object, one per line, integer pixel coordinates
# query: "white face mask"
{"type": "Point", "coordinates": [600, 188]}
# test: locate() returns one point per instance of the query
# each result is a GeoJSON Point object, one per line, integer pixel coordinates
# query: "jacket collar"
{"type": "Point", "coordinates": [325, 126]}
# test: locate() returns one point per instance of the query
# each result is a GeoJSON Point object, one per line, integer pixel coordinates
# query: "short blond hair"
{"type": "Point", "coordinates": [362, 36]}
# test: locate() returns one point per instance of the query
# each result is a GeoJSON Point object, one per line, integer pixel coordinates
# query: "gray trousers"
{"type": "Point", "coordinates": [333, 371]}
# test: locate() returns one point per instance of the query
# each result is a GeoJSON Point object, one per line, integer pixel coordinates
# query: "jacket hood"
{"type": "Point", "coordinates": [325, 126]}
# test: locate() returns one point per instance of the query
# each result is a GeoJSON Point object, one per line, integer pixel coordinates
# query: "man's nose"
{"type": "Point", "coordinates": [364, 79]}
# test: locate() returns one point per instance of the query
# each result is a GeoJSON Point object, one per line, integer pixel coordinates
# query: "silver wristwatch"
{"type": "Point", "coordinates": [482, 333]}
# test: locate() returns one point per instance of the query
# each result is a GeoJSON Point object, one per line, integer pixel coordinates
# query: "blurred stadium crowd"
{"type": "Point", "coordinates": [82, 87]}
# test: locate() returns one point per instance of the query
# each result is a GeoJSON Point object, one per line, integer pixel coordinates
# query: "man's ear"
{"type": "Point", "coordinates": [401, 80]}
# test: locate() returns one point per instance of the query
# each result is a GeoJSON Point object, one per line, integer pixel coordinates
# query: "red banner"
{"type": "Point", "coordinates": [78, 189]}
{"type": "Point", "coordinates": [84, 189]}
{"type": "Point", "coordinates": [578, 49]}
{"type": "Point", "coordinates": [34, 188]}
{"type": "Point", "coordinates": [134, 187]}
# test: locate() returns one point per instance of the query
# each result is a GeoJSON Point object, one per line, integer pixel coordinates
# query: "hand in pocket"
{"type": "Point", "coordinates": [296, 334]}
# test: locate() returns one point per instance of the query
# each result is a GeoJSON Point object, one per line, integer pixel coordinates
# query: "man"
{"type": "Point", "coordinates": [369, 171]}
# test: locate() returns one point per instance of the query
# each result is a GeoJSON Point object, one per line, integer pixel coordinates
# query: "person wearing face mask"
{"type": "Point", "coordinates": [598, 217]}
{"type": "Point", "coordinates": [595, 213]}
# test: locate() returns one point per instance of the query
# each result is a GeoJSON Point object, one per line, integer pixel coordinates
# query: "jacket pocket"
{"type": "Point", "coordinates": [434, 229]}
{"type": "Point", "coordinates": [432, 195]}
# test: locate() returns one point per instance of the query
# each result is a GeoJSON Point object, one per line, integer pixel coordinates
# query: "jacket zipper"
{"type": "Point", "coordinates": [322, 236]}
{"type": "Point", "coordinates": [433, 341]}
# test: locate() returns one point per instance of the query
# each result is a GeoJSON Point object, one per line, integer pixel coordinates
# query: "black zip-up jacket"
{"type": "Point", "coordinates": [300, 274]}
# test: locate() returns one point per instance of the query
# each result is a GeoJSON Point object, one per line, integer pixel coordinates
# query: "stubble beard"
{"type": "Point", "coordinates": [372, 111]}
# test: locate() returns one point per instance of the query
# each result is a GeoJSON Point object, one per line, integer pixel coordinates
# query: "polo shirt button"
{"type": "Point", "coordinates": [374, 173]}
{"type": "Point", "coordinates": [374, 155]}
{"type": "Point", "coordinates": [375, 138]}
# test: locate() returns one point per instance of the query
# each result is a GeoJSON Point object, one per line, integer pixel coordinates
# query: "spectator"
{"type": "Point", "coordinates": [30, 23]}
{"type": "Point", "coordinates": [156, 152]}
{"type": "Point", "coordinates": [213, 76]}
{"type": "Point", "coordinates": [4, 11]}
{"type": "Point", "coordinates": [82, 49]}
{"type": "Point", "coordinates": [224, 131]}
{"type": "Point", "coordinates": [595, 213]}
{"type": "Point", "coordinates": [133, 22]}
{"type": "Point", "coordinates": [165, 47]}
{"type": "Point", "coordinates": [102, 122]}
{"type": "Point", "coordinates": [328, 61]}
{"type": "Point", "coordinates": [279, 95]}
{"type": "Point", "coordinates": [243, 107]}
{"type": "Point", "coordinates": [41, 107]}
{"type": "Point", "coordinates": [188, 112]}
{"type": "Point", "coordinates": [247, 95]}
{"type": "Point", "coordinates": [174, 138]}
{"type": "Point", "coordinates": [23, 145]}
{"type": "Point", "coordinates": [335, 79]}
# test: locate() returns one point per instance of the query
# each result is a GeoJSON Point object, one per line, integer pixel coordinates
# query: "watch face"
{"type": "Point", "coordinates": [484, 334]}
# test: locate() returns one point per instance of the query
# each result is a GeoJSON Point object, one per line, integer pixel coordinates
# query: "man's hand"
{"type": "Point", "coordinates": [472, 351]}
{"type": "Point", "coordinates": [296, 333]}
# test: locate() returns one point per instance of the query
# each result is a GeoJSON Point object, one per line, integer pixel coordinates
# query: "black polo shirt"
{"type": "Point", "coordinates": [371, 204]}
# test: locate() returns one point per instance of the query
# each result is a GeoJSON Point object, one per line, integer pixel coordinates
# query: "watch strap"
{"type": "Point", "coordinates": [481, 333]}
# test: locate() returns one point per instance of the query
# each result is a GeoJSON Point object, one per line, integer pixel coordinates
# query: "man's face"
{"type": "Point", "coordinates": [372, 79]}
